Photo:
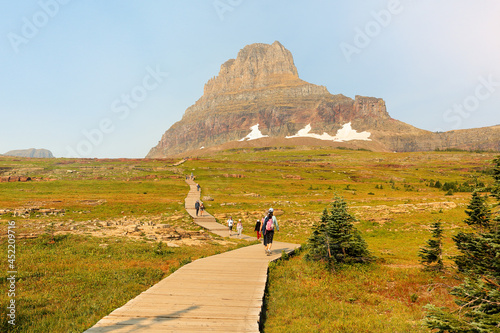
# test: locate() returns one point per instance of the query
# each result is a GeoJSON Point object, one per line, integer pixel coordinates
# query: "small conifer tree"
{"type": "Point", "coordinates": [478, 212]}
{"type": "Point", "coordinates": [431, 254]}
{"type": "Point", "coordinates": [496, 176]}
{"type": "Point", "coordinates": [335, 239]}
{"type": "Point", "coordinates": [479, 217]}
{"type": "Point", "coordinates": [479, 295]}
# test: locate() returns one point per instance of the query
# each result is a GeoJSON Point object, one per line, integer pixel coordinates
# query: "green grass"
{"type": "Point", "coordinates": [386, 296]}
{"type": "Point", "coordinates": [306, 297]}
{"type": "Point", "coordinates": [69, 285]}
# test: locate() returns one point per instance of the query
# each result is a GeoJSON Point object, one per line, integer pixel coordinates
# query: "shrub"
{"type": "Point", "coordinates": [335, 239]}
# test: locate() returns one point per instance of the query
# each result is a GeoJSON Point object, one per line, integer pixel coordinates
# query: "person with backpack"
{"type": "Point", "coordinates": [202, 208]}
{"type": "Point", "coordinates": [268, 227]}
{"type": "Point", "coordinates": [257, 228]}
{"type": "Point", "coordinates": [197, 206]}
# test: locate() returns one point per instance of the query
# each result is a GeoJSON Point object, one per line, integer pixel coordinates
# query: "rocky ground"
{"type": "Point", "coordinates": [174, 231]}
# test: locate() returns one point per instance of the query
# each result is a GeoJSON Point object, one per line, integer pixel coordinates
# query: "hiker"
{"type": "Point", "coordinates": [257, 229]}
{"type": "Point", "coordinates": [198, 187]}
{"type": "Point", "coordinates": [197, 206]}
{"type": "Point", "coordinates": [202, 208]}
{"type": "Point", "coordinates": [239, 227]}
{"type": "Point", "coordinates": [230, 225]}
{"type": "Point", "coordinates": [270, 223]}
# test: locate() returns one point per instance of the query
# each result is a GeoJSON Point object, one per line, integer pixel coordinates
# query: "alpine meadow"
{"type": "Point", "coordinates": [250, 166]}
{"type": "Point", "coordinates": [80, 256]}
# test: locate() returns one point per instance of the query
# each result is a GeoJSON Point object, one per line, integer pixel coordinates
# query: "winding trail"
{"type": "Point", "coordinates": [207, 221]}
{"type": "Point", "coordinates": [221, 293]}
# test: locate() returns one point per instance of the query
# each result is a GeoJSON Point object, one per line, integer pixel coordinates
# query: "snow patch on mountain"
{"type": "Point", "coordinates": [254, 134]}
{"type": "Point", "coordinates": [346, 133]}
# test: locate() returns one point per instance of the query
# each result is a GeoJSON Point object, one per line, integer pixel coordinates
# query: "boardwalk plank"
{"type": "Point", "coordinates": [222, 293]}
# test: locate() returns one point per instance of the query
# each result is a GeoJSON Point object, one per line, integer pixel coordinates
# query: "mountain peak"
{"type": "Point", "coordinates": [257, 66]}
{"type": "Point", "coordinates": [261, 91]}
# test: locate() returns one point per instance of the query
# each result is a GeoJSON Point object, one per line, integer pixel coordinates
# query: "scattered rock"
{"type": "Point", "coordinates": [233, 176]}
{"type": "Point", "coordinates": [132, 228]}
{"type": "Point", "coordinates": [6, 179]}
{"type": "Point", "coordinates": [292, 177]}
{"type": "Point", "coordinates": [93, 202]}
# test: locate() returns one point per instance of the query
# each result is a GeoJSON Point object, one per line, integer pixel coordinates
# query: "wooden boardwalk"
{"type": "Point", "coordinates": [207, 221]}
{"type": "Point", "coordinates": [222, 293]}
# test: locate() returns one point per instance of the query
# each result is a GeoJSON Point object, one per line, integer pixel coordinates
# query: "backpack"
{"type": "Point", "coordinates": [270, 224]}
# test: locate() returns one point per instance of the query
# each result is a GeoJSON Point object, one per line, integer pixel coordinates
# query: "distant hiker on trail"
{"type": "Point", "coordinates": [198, 187]}
{"type": "Point", "coordinates": [197, 206]}
{"type": "Point", "coordinates": [270, 223]}
{"type": "Point", "coordinates": [230, 223]}
{"type": "Point", "coordinates": [192, 177]}
{"type": "Point", "coordinates": [202, 208]}
{"type": "Point", "coordinates": [257, 229]}
{"type": "Point", "coordinates": [239, 227]}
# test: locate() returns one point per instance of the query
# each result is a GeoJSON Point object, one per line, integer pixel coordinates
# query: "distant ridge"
{"type": "Point", "coordinates": [259, 97]}
{"type": "Point", "coordinates": [32, 152]}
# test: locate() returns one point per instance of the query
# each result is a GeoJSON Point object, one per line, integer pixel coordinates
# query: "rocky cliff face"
{"type": "Point", "coordinates": [35, 153]}
{"type": "Point", "coordinates": [262, 86]}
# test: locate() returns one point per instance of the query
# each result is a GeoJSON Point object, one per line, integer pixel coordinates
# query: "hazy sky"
{"type": "Point", "coordinates": [94, 78]}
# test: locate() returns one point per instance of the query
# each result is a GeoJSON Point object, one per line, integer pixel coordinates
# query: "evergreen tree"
{"type": "Point", "coordinates": [431, 255]}
{"type": "Point", "coordinates": [479, 295]}
{"type": "Point", "coordinates": [335, 240]}
{"type": "Point", "coordinates": [317, 244]}
{"type": "Point", "coordinates": [478, 212]}
{"type": "Point", "coordinates": [496, 176]}
{"type": "Point", "coordinates": [495, 193]}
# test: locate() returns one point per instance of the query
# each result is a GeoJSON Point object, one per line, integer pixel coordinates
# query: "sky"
{"type": "Point", "coordinates": [106, 79]}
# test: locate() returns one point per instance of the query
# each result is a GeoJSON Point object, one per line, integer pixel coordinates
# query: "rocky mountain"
{"type": "Point", "coordinates": [260, 95]}
{"type": "Point", "coordinates": [36, 153]}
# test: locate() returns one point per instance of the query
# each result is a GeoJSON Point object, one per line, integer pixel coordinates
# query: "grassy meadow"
{"type": "Point", "coordinates": [68, 282]}
{"type": "Point", "coordinates": [392, 196]}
